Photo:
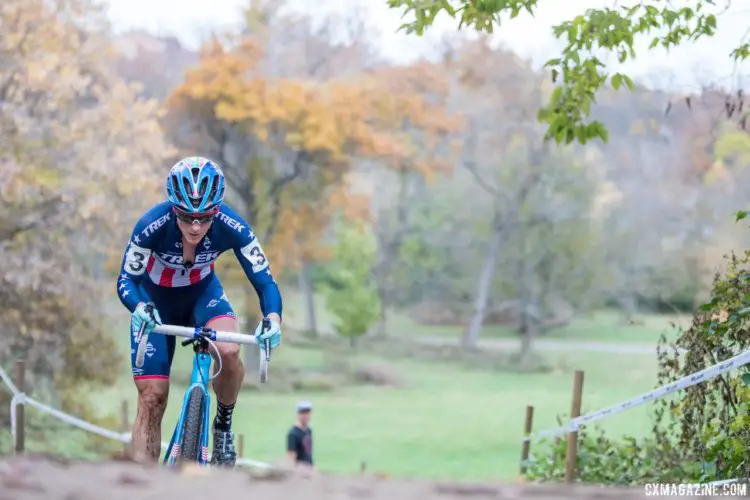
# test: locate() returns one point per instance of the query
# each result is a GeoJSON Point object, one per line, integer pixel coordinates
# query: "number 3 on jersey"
{"type": "Point", "coordinates": [254, 253]}
{"type": "Point", "coordinates": [136, 259]}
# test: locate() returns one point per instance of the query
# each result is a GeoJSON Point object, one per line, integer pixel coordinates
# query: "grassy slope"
{"type": "Point", "coordinates": [599, 326]}
{"type": "Point", "coordinates": [446, 422]}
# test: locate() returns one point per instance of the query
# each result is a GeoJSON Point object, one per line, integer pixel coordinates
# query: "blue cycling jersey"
{"type": "Point", "coordinates": [154, 257]}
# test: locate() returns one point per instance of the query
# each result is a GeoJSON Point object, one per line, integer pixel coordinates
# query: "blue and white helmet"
{"type": "Point", "coordinates": [195, 185]}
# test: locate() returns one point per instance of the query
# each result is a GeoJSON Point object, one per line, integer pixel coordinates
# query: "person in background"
{"type": "Point", "coordinates": [299, 438]}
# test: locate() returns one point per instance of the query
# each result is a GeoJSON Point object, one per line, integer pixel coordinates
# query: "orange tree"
{"type": "Point", "coordinates": [69, 127]}
{"type": "Point", "coordinates": [412, 108]}
{"type": "Point", "coordinates": [289, 147]}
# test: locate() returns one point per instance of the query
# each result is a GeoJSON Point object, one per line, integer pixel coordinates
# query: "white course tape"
{"type": "Point", "coordinates": [7, 381]}
{"type": "Point", "coordinates": [69, 419]}
{"type": "Point", "coordinates": [686, 381]}
{"type": "Point", "coordinates": [724, 481]}
{"type": "Point", "coordinates": [556, 432]}
{"type": "Point", "coordinates": [19, 398]}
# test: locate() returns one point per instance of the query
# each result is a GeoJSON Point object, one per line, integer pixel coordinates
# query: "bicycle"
{"type": "Point", "coordinates": [190, 437]}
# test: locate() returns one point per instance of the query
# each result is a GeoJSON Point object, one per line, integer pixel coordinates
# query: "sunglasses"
{"type": "Point", "coordinates": [203, 218]}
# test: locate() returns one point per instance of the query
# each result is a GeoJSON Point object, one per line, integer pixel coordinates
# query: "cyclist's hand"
{"type": "Point", "coordinates": [273, 334]}
{"type": "Point", "coordinates": [145, 313]}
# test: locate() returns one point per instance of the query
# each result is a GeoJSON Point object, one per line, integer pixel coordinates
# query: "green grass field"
{"type": "Point", "coordinates": [599, 326]}
{"type": "Point", "coordinates": [446, 422]}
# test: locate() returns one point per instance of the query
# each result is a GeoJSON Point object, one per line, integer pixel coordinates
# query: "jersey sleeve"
{"type": "Point", "coordinates": [253, 260]}
{"type": "Point", "coordinates": [136, 258]}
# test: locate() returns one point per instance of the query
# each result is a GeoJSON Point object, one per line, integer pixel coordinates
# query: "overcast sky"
{"type": "Point", "coordinates": [684, 68]}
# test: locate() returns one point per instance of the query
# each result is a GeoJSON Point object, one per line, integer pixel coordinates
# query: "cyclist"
{"type": "Point", "coordinates": [168, 276]}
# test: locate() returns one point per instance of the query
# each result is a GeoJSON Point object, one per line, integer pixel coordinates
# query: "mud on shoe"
{"type": "Point", "coordinates": [223, 454]}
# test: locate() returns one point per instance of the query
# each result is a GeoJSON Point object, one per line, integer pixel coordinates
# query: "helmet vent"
{"type": "Point", "coordinates": [195, 172]}
{"type": "Point", "coordinates": [175, 186]}
{"type": "Point", "coordinates": [193, 201]}
{"type": "Point", "coordinates": [212, 193]}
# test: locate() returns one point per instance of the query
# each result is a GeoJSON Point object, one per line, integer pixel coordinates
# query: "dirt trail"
{"type": "Point", "coordinates": [39, 478]}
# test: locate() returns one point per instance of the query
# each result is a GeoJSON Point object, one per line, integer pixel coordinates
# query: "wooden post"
{"type": "Point", "coordinates": [241, 446]}
{"type": "Point", "coordinates": [575, 411]}
{"type": "Point", "coordinates": [20, 381]}
{"type": "Point", "coordinates": [526, 447]}
{"type": "Point", "coordinates": [125, 424]}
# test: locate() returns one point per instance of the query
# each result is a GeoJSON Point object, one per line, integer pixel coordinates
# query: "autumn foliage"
{"type": "Point", "coordinates": [77, 151]}
{"type": "Point", "coordinates": [289, 145]}
{"type": "Point", "coordinates": [423, 189]}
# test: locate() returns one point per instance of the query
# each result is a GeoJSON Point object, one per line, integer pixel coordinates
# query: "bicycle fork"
{"type": "Point", "coordinates": [199, 378]}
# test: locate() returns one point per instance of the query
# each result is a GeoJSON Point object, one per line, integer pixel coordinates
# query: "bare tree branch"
{"type": "Point", "coordinates": [31, 218]}
{"type": "Point", "coordinates": [301, 159]}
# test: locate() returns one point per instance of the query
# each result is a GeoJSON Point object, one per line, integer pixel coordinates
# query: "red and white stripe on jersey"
{"type": "Point", "coordinates": [174, 276]}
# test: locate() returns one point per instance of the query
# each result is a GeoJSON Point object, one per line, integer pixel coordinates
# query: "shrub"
{"type": "Point", "coordinates": [352, 297]}
{"type": "Point", "coordinates": [699, 435]}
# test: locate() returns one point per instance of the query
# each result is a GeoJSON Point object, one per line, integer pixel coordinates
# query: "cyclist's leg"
{"type": "Point", "coordinates": [152, 382]}
{"type": "Point", "coordinates": [212, 309]}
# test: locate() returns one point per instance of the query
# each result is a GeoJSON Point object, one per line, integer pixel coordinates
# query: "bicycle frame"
{"type": "Point", "coordinates": [201, 375]}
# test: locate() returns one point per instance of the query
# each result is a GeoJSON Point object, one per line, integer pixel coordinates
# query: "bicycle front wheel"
{"type": "Point", "coordinates": [191, 434]}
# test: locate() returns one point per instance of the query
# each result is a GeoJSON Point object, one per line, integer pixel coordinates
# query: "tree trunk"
{"type": "Point", "coordinates": [471, 334]}
{"type": "Point", "coordinates": [628, 305]}
{"type": "Point", "coordinates": [308, 294]}
{"type": "Point", "coordinates": [529, 297]}
{"type": "Point", "coordinates": [528, 332]}
{"type": "Point", "coordinates": [390, 235]}
{"type": "Point", "coordinates": [382, 272]}
{"type": "Point", "coordinates": [381, 328]}
{"type": "Point", "coordinates": [529, 323]}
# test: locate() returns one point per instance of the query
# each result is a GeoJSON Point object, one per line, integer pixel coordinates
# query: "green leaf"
{"type": "Point", "coordinates": [560, 133]}
{"type": "Point", "coordinates": [446, 5]}
{"type": "Point", "coordinates": [556, 95]}
{"type": "Point", "coordinates": [616, 81]}
{"type": "Point", "coordinates": [628, 82]}
{"type": "Point", "coordinates": [570, 136]}
{"type": "Point", "coordinates": [603, 132]}
{"type": "Point", "coordinates": [609, 30]}
{"type": "Point", "coordinates": [741, 214]}
{"type": "Point", "coordinates": [581, 135]}
{"type": "Point", "coordinates": [746, 379]}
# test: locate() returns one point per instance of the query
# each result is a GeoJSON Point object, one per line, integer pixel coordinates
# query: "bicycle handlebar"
{"type": "Point", "coordinates": [208, 334]}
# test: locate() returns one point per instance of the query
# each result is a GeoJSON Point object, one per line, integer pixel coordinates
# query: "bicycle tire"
{"type": "Point", "coordinates": [191, 443]}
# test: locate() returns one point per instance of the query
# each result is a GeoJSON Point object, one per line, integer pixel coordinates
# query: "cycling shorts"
{"type": "Point", "coordinates": [191, 306]}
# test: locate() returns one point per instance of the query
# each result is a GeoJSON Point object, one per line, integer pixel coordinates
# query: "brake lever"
{"type": "Point", "coordinates": [267, 342]}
